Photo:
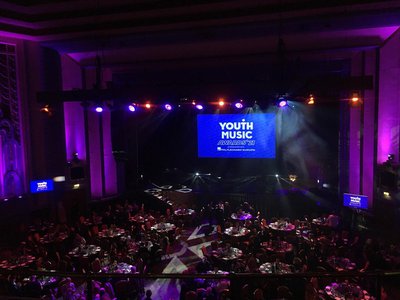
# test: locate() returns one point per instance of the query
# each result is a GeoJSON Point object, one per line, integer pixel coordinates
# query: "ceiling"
{"type": "Point", "coordinates": [186, 44]}
{"type": "Point", "coordinates": [128, 32]}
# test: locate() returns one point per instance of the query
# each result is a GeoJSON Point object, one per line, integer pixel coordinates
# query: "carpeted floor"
{"type": "Point", "coordinates": [184, 252]}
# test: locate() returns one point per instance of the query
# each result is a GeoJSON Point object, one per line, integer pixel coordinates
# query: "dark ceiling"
{"type": "Point", "coordinates": [174, 42]}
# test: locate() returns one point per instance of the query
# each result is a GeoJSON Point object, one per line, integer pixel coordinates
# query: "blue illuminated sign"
{"type": "Point", "coordinates": [42, 186]}
{"type": "Point", "coordinates": [355, 201]}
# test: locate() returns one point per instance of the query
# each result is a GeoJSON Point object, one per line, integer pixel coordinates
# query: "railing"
{"type": "Point", "coordinates": [236, 280]}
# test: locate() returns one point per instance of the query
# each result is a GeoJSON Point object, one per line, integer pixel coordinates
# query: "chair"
{"type": "Point", "coordinates": [245, 292]}
{"type": "Point", "coordinates": [204, 251]}
{"type": "Point", "coordinates": [109, 289]}
{"type": "Point", "coordinates": [122, 289]}
{"type": "Point", "coordinates": [219, 232]}
{"type": "Point", "coordinates": [96, 265]}
{"type": "Point", "coordinates": [191, 295]}
{"type": "Point", "coordinates": [258, 294]}
{"type": "Point", "coordinates": [225, 294]}
{"type": "Point", "coordinates": [284, 292]}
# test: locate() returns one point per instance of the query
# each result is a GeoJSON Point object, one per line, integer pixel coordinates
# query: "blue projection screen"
{"type": "Point", "coordinates": [355, 201]}
{"type": "Point", "coordinates": [236, 135]}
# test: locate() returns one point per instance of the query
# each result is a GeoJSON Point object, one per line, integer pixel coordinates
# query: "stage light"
{"type": "Point", "coordinates": [276, 175]}
{"type": "Point", "coordinates": [355, 98]}
{"type": "Point", "coordinates": [197, 174]}
{"type": "Point", "coordinates": [310, 100]}
{"type": "Point", "coordinates": [193, 102]}
{"type": "Point", "coordinates": [199, 107]}
{"type": "Point", "coordinates": [386, 195]}
{"type": "Point", "coordinates": [99, 109]}
{"type": "Point", "coordinates": [46, 109]}
{"type": "Point", "coordinates": [76, 186]}
{"type": "Point", "coordinates": [282, 103]}
{"type": "Point", "coordinates": [168, 106]}
{"type": "Point", "coordinates": [59, 179]}
{"type": "Point", "coordinates": [147, 105]}
{"type": "Point", "coordinates": [239, 104]}
{"type": "Point", "coordinates": [132, 107]}
{"type": "Point", "coordinates": [292, 178]}
{"type": "Point", "coordinates": [221, 102]}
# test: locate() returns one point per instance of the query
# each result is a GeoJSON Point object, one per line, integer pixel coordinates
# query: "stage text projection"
{"type": "Point", "coordinates": [236, 135]}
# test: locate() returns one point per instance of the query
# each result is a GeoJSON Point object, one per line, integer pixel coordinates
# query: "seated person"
{"type": "Point", "coordinates": [332, 221]}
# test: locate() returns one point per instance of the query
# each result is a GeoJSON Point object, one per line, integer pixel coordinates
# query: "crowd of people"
{"type": "Point", "coordinates": [126, 238]}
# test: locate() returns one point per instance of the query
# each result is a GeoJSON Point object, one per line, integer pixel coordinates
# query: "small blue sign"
{"type": "Point", "coordinates": [355, 201]}
{"type": "Point", "coordinates": [42, 186]}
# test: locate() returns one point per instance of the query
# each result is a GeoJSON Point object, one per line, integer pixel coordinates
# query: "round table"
{"type": "Point", "coordinates": [49, 238]}
{"type": "Point", "coordinates": [275, 268]}
{"type": "Point", "coordinates": [163, 227]}
{"type": "Point", "coordinates": [121, 268]}
{"type": "Point", "coordinates": [237, 232]}
{"type": "Point", "coordinates": [182, 212]}
{"type": "Point", "coordinates": [282, 226]}
{"type": "Point", "coordinates": [111, 233]}
{"type": "Point", "coordinates": [278, 246]}
{"type": "Point", "coordinates": [228, 255]}
{"type": "Point", "coordinates": [17, 262]}
{"type": "Point", "coordinates": [341, 263]}
{"type": "Point", "coordinates": [84, 251]}
{"type": "Point", "coordinates": [242, 216]}
{"type": "Point", "coordinates": [343, 291]}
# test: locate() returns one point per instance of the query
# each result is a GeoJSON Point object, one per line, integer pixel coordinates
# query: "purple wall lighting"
{"type": "Point", "coordinates": [94, 152]}
{"type": "Point", "coordinates": [11, 158]}
{"type": "Point", "coordinates": [389, 100]}
{"type": "Point", "coordinates": [369, 132]}
{"type": "Point", "coordinates": [74, 130]}
{"type": "Point", "coordinates": [109, 162]}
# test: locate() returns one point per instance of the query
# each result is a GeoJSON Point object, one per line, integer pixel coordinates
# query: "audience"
{"type": "Point", "coordinates": [121, 239]}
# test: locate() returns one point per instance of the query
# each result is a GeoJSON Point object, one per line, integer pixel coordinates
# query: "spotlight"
{"type": "Point", "coordinates": [355, 98]}
{"type": "Point", "coordinates": [168, 106]}
{"type": "Point", "coordinates": [199, 107]}
{"type": "Point", "coordinates": [197, 174]}
{"type": "Point", "coordinates": [292, 178]}
{"type": "Point", "coordinates": [282, 103]}
{"type": "Point", "coordinates": [46, 109]}
{"type": "Point", "coordinates": [276, 175]}
{"type": "Point", "coordinates": [59, 179]}
{"type": "Point", "coordinates": [310, 100]}
{"type": "Point", "coordinates": [239, 104]}
{"type": "Point", "coordinates": [132, 107]}
{"type": "Point", "coordinates": [221, 102]}
{"type": "Point", "coordinates": [147, 105]}
{"type": "Point", "coordinates": [99, 109]}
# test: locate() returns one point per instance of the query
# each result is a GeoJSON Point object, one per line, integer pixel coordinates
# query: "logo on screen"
{"type": "Point", "coordinates": [355, 201]}
{"type": "Point", "coordinates": [236, 136]}
{"type": "Point", "coordinates": [41, 186]}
